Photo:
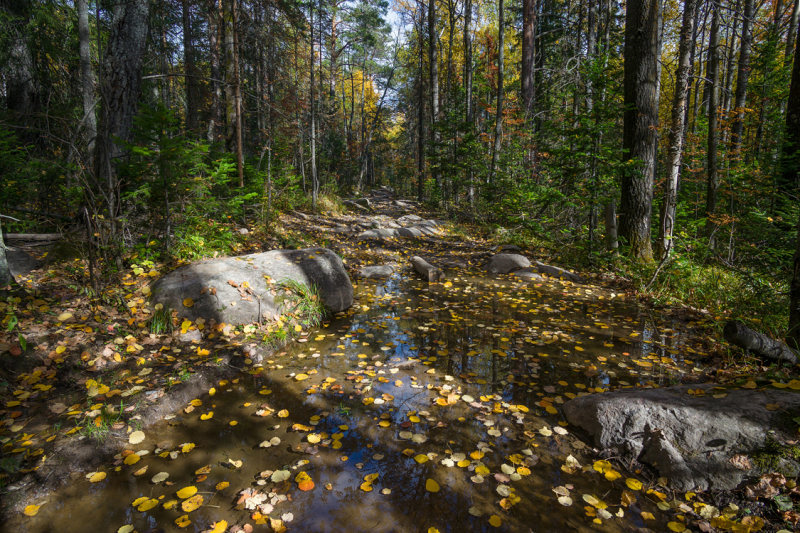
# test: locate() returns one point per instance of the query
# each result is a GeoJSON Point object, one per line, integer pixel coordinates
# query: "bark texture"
{"type": "Point", "coordinates": [743, 75]}
{"type": "Point", "coordinates": [121, 85]}
{"type": "Point", "coordinates": [712, 76]}
{"type": "Point", "coordinates": [677, 128]}
{"type": "Point", "coordinates": [740, 335]}
{"type": "Point", "coordinates": [87, 76]}
{"type": "Point", "coordinates": [790, 176]}
{"type": "Point", "coordinates": [640, 124]}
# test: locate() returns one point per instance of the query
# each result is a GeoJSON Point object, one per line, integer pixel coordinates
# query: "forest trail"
{"type": "Point", "coordinates": [425, 405]}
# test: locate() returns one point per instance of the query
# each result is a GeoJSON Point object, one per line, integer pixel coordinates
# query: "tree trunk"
{"type": "Point", "coordinates": [712, 75]}
{"type": "Point", "coordinates": [434, 67]}
{"type": "Point", "coordinates": [87, 77]}
{"type": "Point", "coordinates": [677, 130]}
{"type": "Point", "coordinates": [216, 91]}
{"type": "Point", "coordinates": [498, 124]}
{"type": "Point", "coordinates": [740, 335]}
{"type": "Point", "coordinates": [640, 124]}
{"type": "Point", "coordinates": [120, 87]}
{"type": "Point", "coordinates": [468, 95]}
{"type": "Point", "coordinates": [742, 77]}
{"type": "Point", "coordinates": [421, 113]}
{"type": "Point", "coordinates": [314, 180]}
{"type": "Point", "coordinates": [5, 273]}
{"type": "Point", "coordinates": [21, 90]}
{"type": "Point", "coordinates": [610, 215]}
{"type": "Point", "coordinates": [794, 28]}
{"type": "Point", "coordinates": [730, 41]}
{"type": "Point", "coordinates": [790, 174]}
{"type": "Point", "coordinates": [190, 80]}
{"type": "Point", "coordinates": [528, 55]}
{"type": "Point", "coordinates": [228, 15]}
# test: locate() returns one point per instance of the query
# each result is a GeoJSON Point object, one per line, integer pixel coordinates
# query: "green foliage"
{"type": "Point", "coordinates": [161, 321]}
{"type": "Point", "coordinates": [301, 301]}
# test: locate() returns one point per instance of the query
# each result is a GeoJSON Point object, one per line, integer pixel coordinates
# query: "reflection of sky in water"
{"type": "Point", "coordinates": [414, 321]}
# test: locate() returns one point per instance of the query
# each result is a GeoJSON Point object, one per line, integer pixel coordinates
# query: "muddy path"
{"type": "Point", "coordinates": [427, 405]}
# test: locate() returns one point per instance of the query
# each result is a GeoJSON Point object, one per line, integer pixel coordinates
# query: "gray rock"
{"type": "Point", "coordinates": [377, 271]}
{"type": "Point", "coordinates": [409, 232]}
{"type": "Point", "coordinates": [243, 231]}
{"type": "Point", "coordinates": [688, 439]}
{"type": "Point", "coordinates": [408, 219]}
{"type": "Point", "coordinates": [557, 272]}
{"type": "Point", "coordinates": [351, 203]}
{"type": "Point", "coordinates": [506, 248]}
{"type": "Point", "coordinates": [364, 202]}
{"type": "Point", "coordinates": [379, 234]}
{"type": "Point", "coordinates": [505, 263]}
{"type": "Point", "coordinates": [211, 284]}
{"type": "Point", "coordinates": [527, 274]}
{"type": "Point", "coordinates": [21, 263]}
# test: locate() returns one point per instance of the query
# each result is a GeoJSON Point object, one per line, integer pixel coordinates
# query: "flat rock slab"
{"type": "Point", "coordinates": [688, 439]}
{"type": "Point", "coordinates": [216, 286]}
{"type": "Point", "coordinates": [377, 271]}
{"type": "Point", "coordinates": [21, 263]}
{"type": "Point", "coordinates": [420, 229]}
{"type": "Point", "coordinates": [505, 263]}
{"type": "Point", "coordinates": [527, 274]}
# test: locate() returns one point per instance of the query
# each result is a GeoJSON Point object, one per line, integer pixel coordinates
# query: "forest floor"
{"type": "Point", "coordinates": [84, 380]}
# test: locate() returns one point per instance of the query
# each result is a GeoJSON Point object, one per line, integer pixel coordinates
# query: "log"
{"type": "Point", "coordinates": [427, 270]}
{"type": "Point", "coordinates": [32, 236]}
{"type": "Point", "coordinates": [740, 335]}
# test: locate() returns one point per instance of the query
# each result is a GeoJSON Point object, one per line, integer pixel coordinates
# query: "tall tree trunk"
{"type": "Point", "coordinates": [794, 28]}
{"type": "Point", "coordinates": [468, 95]}
{"type": "Point", "coordinates": [434, 67]}
{"type": "Point", "coordinates": [731, 45]}
{"type": "Point", "coordinates": [87, 76]}
{"type": "Point", "coordinates": [742, 77]}
{"type": "Point", "coordinates": [312, 60]}
{"type": "Point", "coordinates": [22, 89]}
{"type": "Point", "coordinates": [790, 175]}
{"type": "Point", "coordinates": [640, 123]}
{"type": "Point", "coordinates": [216, 89]}
{"type": "Point", "coordinates": [5, 272]}
{"type": "Point", "coordinates": [677, 129]}
{"type": "Point", "coordinates": [120, 87]}
{"type": "Point", "coordinates": [228, 16]}
{"type": "Point", "coordinates": [498, 124]}
{"type": "Point", "coordinates": [528, 78]}
{"type": "Point", "coordinates": [712, 74]}
{"type": "Point", "coordinates": [421, 112]}
{"type": "Point", "coordinates": [190, 80]}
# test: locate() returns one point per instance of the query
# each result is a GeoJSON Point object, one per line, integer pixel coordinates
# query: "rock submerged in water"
{"type": "Point", "coordinates": [505, 263]}
{"type": "Point", "coordinates": [692, 440]}
{"type": "Point", "coordinates": [377, 271]}
{"type": "Point", "coordinates": [235, 290]}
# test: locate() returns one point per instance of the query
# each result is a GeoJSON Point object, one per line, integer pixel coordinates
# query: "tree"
{"type": "Point", "coordinates": [640, 124]}
{"type": "Point", "coordinates": [743, 75]}
{"type": "Point", "coordinates": [5, 273]}
{"type": "Point", "coordinates": [677, 129]}
{"type": "Point", "coordinates": [791, 175]}
{"type": "Point", "coordinates": [498, 124]}
{"type": "Point", "coordinates": [712, 76]}
{"type": "Point", "coordinates": [87, 77]}
{"type": "Point", "coordinates": [120, 86]}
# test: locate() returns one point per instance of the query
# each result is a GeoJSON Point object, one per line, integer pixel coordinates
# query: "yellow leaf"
{"type": "Point", "coordinates": [431, 485]}
{"type": "Point", "coordinates": [188, 302]}
{"type": "Point", "coordinates": [222, 485]}
{"type": "Point", "coordinates": [149, 504]}
{"type": "Point", "coordinates": [369, 478]}
{"type": "Point", "coordinates": [648, 516]}
{"type": "Point", "coordinates": [219, 527]}
{"type": "Point", "coordinates": [212, 391]}
{"type": "Point", "coordinates": [136, 437]}
{"type": "Point", "coordinates": [677, 527]}
{"type": "Point", "coordinates": [97, 476]}
{"type": "Point", "coordinates": [612, 474]}
{"type": "Point", "coordinates": [207, 416]}
{"type": "Point", "coordinates": [495, 521]}
{"type": "Point", "coordinates": [283, 413]}
{"type": "Point", "coordinates": [186, 492]}
{"type": "Point", "coordinates": [31, 510]}
{"type": "Point", "coordinates": [183, 521]}
{"type": "Point", "coordinates": [748, 385]}
{"type": "Point", "coordinates": [421, 458]}
{"type": "Point", "coordinates": [633, 483]}
{"type": "Point", "coordinates": [132, 459]}
{"type": "Point", "coordinates": [192, 503]}
{"type": "Point", "coordinates": [189, 446]}
{"type": "Point", "coordinates": [301, 377]}
{"type": "Point", "coordinates": [366, 486]}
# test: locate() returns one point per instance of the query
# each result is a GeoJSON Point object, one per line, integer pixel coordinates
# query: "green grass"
{"type": "Point", "coordinates": [99, 428]}
{"type": "Point", "coordinates": [161, 321]}
{"type": "Point", "coordinates": [301, 301]}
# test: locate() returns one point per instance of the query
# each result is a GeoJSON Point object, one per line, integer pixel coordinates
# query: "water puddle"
{"type": "Point", "coordinates": [433, 406]}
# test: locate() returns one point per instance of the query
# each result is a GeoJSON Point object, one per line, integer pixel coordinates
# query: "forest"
{"type": "Point", "coordinates": [650, 148]}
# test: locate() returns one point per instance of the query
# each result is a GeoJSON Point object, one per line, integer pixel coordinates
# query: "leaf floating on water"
{"type": "Point", "coordinates": [131, 459]}
{"type": "Point", "coordinates": [136, 437]}
{"type": "Point", "coordinates": [192, 503]}
{"type": "Point", "coordinates": [566, 501]}
{"type": "Point", "coordinates": [186, 492]}
{"type": "Point", "coordinates": [431, 485]}
{"type": "Point", "coordinates": [277, 525]}
{"type": "Point", "coordinates": [207, 416]}
{"type": "Point", "coordinates": [219, 527]}
{"type": "Point", "coordinates": [545, 431]}
{"type": "Point", "coordinates": [147, 505]}
{"type": "Point", "coordinates": [280, 475]}
{"type": "Point", "coordinates": [141, 471]}
{"type": "Point", "coordinates": [366, 486]}
{"type": "Point", "coordinates": [633, 483]}
{"type": "Point", "coordinates": [495, 521]}
{"type": "Point", "coordinates": [301, 377]}
{"type": "Point", "coordinates": [474, 511]}
{"type": "Point", "coordinates": [203, 470]}
{"type": "Point", "coordinates": [183, 521]}
{"type": "Point", "coordinates": [677, 527]}
{"type": "Point", "coordinates": [96, 477]}
{"type": "Point", "coordinates": [222, 485]}
{"type": "Point", "coordinates": [283, 413]}
{"type": "Point", "coordinates": [421, 458]}
{"type": "Point", "coordinates": [31, 510]}
{"type": "Point", "coordinates": [128, 528]}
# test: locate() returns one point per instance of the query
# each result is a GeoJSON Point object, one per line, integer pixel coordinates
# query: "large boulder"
{"type": "Point", "coordinates": [691, 439]}
{"type": "Point", "coordinates": [241, 290]}
{"type": "Point", "coordinates": [557, 272]}
{"type": "Point", "coordinates": [21, 263]}
{"type": "Point", "coordinates": [505, 263]}
{"type": "Point", "coordinates": [377, 271]}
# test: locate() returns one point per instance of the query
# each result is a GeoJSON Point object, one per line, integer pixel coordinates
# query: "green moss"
{"type": "Point", "coordinates": [769, 459]}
